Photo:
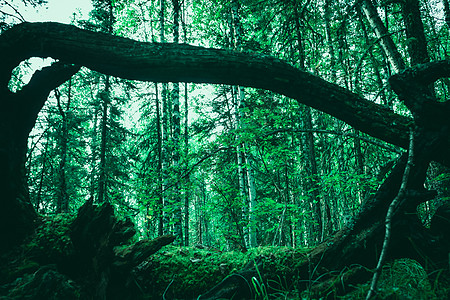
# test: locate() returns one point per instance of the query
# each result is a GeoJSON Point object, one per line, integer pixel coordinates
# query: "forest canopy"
{"type": "Point", "coordinates": [319, 128]}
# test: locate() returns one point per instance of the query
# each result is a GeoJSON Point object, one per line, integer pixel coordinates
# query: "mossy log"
{"type": "Point", "coordinates": [106, 272]}
{"type": "Point", "coordinates": [80, 259]}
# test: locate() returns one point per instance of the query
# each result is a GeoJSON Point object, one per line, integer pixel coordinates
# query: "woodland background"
{"type": "Point", "coordinates": [230, 166]}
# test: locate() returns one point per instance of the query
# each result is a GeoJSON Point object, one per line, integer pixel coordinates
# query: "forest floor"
{"type": "Point", "coordinates": [43, 268]}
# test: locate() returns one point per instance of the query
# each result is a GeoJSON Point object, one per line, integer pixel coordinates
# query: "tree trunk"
{"type": "Point", "coordinates": [18, 115]}
{"type": "Point", "coordinates": [327, 16]}
{"type": "Point", "coordinates": [176, 138]}
{"type": "Point", "coordinates": [165, 128]}
{"type": "Point", "coordinates": [63, 201]}
{"type": "Point", "coordinates": [252, 201]}
{"type": "Point", "coordinates": [239, 155]}
{"type": "Point", "coordinates": [240, 146]}
{"type": "Point", "coordinates": [186, 165]}
{"type": "Point", "coordinates": [106, 101]}
{"type": "Point", "coordinates": [159, 166]}
{"type": "Point", "coordinates": [388, 46]}
{"type": "Point", "coordinates": [102, 181]}
{"type": "Point", "coordinates": [417, 43]}
{"type": "Point", "coordinates": [309, 148]}
{"type": "Point", "coordinates": [37, 204]}
{"type": "Point", "coordinates": [180, 62]}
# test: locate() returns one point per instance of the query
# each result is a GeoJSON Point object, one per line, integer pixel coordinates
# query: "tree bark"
{"type": "Point", "coordinates": [165, 127]}
{"type": "Point", "coordinates": [309, 148]}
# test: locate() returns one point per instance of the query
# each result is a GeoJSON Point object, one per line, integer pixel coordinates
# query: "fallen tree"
{"type": "Point", "coordinates": [358, 243]}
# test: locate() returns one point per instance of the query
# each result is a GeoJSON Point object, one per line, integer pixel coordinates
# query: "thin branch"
{"type": "Point", "coordinates": [16, 11]}
{"type": "Point", "coordinates": [340, 133]}
{"type": "Point", "coordinates": [392, 207]}
{"type": "Point", "coordinates": [11, 15]}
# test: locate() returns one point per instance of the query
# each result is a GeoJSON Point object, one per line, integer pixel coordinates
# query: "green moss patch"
{"type": "Point", "coordinates": [186, 272]}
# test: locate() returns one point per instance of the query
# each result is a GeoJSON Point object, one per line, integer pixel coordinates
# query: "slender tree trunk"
{"type": "Point", "coordinates": [176, 198]}
{"type": "Point", "coordinates": [159, 166]}
{"type": "Point", "coordinates": [327, 18]}
{"type": "Point", "coordinates": [252, 202]}
{"type": "Point", "coordinates": [63, 201]}
{"type": "Point", "coordinates": [93, 160]}
{"type": "Point", "coordinates": [417, 43]}
{"type": "Point", "coordinates": [186, 166]}
{"type": "Point", "coordinates": [359, 166]}
{"type": "Point", "coordinates": [238, 95]}
{"type": "Point", "coordinates": [198, 218]}
{"type": "Point", "coordinates": [446, 12]}
{"type": "Point", "coordinates": [102, 182]}
{"type": "Point", "coordinates": [106, 101]}
{"type": "Point", "coordinates": [309, 147]}
{"type": "Point", "coordinates": [388, 46]}
{"type": "Point", "coordinates": [375, 64]}
{"type": "Point", "coordinates": [252, 242]}
{"type": "Point", "coordinates": [42, 176]}
{"type": "Point", "coordinates": [165, 129]}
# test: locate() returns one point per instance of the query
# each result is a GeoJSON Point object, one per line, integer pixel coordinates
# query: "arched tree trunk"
{"type": "Point", "coordinates": [358, 243]}
{"type": "Point", "coordinates": [17, 117]}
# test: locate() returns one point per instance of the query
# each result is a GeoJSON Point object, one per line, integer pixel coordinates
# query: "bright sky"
{"type": "Point", "coordinates": [56, 10]}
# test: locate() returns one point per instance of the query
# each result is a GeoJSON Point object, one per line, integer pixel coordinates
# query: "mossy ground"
{"type": "Point", "coordinates": [185, 272]}
{"type": "Point", "coordinates": [188, 271]}
{"type": "Point", "coordinates": [50, 244]}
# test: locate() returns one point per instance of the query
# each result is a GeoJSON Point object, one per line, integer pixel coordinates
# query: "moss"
{"type": "Point", "coordinates": [51, 242]}
{"type": "Point", "coordinates": [187, 272]}
{"type": "Point", "coordinates": [400, 279]}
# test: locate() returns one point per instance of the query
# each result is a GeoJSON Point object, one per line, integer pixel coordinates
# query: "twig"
{"type": "Point", "coordinates": [167, 288]}
{"type": "Point", "coordinates": [22, 19]}
{"type": "Point", "coordinates": [392, 207]}
{"type": "Point", "coordinates": [337, 133]}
